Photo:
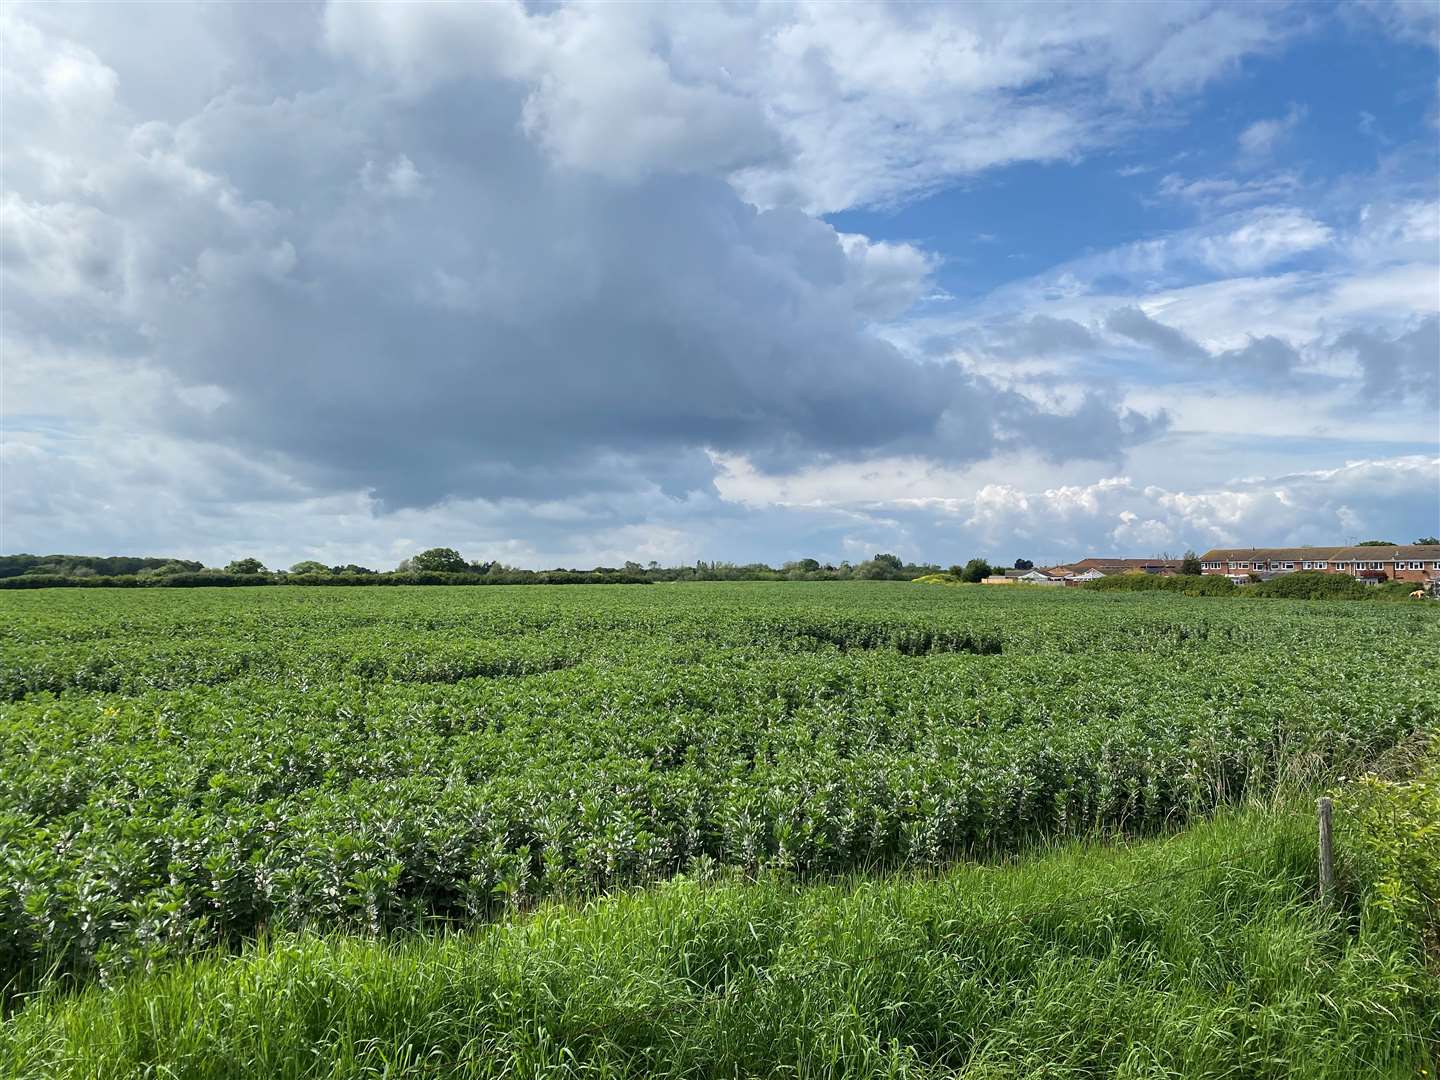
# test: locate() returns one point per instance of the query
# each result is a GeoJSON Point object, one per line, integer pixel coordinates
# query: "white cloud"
{"type": "Point", "coordinates": [1264, 137]}
{"type": "Point", "coordinates": [1267, 237]}
{"type": "Point", "coordinates": [399, 179]}
{"type": "Point", "coordinates": [821, 107]}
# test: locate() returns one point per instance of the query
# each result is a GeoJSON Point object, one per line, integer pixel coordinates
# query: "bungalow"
{"type": "Point", "coordinates": [1401, 562]}
{"type": "Point", "coordinates": [1103, 566]}
{"type": "Point", "coordinates": [1040, 577]}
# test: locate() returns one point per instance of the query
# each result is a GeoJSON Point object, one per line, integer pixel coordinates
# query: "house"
{"type": "Point", "coordinates": [1103, 566]}
{"type": "Point", "coordinates": [1401, 562]}
{"type": "Point", "coordinates": [1022, 577]}
{"type": "Point", "coordinates": [1040, 577]}
{"type": "Point", "coordinates": [1107, 565]}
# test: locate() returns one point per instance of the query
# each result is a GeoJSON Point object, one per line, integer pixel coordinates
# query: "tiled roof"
{"type": "Point", "coordinates": [1388, 553]}
{"type": "Point", "coordinates": [1103, 563]}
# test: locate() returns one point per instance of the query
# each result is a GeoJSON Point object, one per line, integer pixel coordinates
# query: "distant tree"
{"type": "Point", "coordinates": [309, 566]}
{"type": "Point", "coordinates": [1428, 541]}
{"type": "Point", "coordinates": [1377, 543]}
{"type": "Point", "coordinates": [175, 566]}
{"type": "Point", "coordinates": [1191, 564]}
{"type": "Point", "coordinates": [439, 560]}
{"type": "Point", "coordinates": [975, 570]}
{"type": "Point", "coordinates": [808, 565]}
{"type": "Point", "coordinates": [1024, 564]}
{"type": "Point", "coordinates": [957, 571]}
{"type": "Point", "coordinates": [891, 562]}
{"type": "Point", "coordinates": [632, 566]}
{"type": "Point", "coordinates": [245, 566]}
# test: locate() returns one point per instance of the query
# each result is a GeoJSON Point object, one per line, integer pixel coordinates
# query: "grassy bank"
{"type": "Point", "coordinates": [1197, 955]}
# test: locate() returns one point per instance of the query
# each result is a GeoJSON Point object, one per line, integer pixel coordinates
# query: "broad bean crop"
{"type": "Point", "coordinates": [181, 769]}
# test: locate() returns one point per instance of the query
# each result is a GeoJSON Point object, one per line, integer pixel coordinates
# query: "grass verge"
{"type": "Point", "coordinates": [1197, 955]}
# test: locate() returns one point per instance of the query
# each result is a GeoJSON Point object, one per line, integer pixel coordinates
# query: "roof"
{"type": "Point", "coordinates": [1105, 563]}
{"type": "Point", "coordinates": [1326, 554]}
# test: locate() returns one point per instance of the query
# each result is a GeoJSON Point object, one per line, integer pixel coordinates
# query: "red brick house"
{"type": "Point", "coordinates": [1401, 562]}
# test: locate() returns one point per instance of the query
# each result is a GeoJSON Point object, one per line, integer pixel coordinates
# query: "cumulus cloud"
{"type": "Point", "coordinates": [445, 292]}
{"type": "Point", "coordinates": [821, 107]}
{"type": "Point", "coordinates": [1318, 507]}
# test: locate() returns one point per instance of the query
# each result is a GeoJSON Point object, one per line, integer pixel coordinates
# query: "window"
{"type": "Point", "coordinates": [1375, 566]}
{"type": "Point", "coordinates": [1287, 566]}
{"type": "Point", "coordinates": [1239, 566]}
{"type": "Point", "coordinates": [1322, 566]}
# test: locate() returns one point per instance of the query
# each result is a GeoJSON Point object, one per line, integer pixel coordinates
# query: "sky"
{"type": "Point", "coordinates": [569, 285]}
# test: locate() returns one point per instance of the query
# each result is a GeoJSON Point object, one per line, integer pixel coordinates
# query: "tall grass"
{"type": "Point", "coordinates": [1197, 955]}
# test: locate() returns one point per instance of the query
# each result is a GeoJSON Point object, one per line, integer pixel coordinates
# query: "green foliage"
{"type": "Point", "coordinates": [1390, 838]}
{"type": "Point", "coordinates": [1024, 564]}
{"type": "Point", "coordinates": [1312, 585]}
{"type": "Point", "coordinates": [975, 570]}
{"type": "Point", "coordinates": [1191, 565]}
{"type": "Point", "coordinates": [1428, 541]}
{"type": "Point", "coordinates": [1392, 590]}
{"type": "Point", "coordinates": [1376, 543]}
{"type": "Point", "coordinates": [71, 565]}
{"type": "Point", "coordinates": [1200, 956]}
{"type": "Point", "coordinates": [309, 566]}
{"type": "Point", "coordinates": [246, 566]}
{"type": "Point", "coordinates": [179, 768]}
{"type": "Point", "coordinates": [1188, 585]}
{"type": "Point", "coordinates": [440, 560]}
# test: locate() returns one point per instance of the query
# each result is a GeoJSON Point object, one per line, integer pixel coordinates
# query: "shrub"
{"type": "Point", "coordinates": [1312, 585]}
{"type": "Point", "coordinates": [1189, 585]}
{"type": "Point", "coordinates": [1391, 833]}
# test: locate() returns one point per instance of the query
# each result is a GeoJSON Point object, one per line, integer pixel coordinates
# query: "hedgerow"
{"type": "Point", "coordinates": [1186, 584]}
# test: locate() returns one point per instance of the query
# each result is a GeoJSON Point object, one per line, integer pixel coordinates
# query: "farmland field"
{"type": "Point", "coordinates": [186, 770]}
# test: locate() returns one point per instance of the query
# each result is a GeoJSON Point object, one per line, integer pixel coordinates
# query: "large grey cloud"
{"type": "Point", "coordinates": [405, 293]}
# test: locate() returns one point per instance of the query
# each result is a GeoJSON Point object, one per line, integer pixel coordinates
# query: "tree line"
{"type": "Point", "coordinates": [446, 566]}
{"type": "Point", "coordinates": [435, 566]}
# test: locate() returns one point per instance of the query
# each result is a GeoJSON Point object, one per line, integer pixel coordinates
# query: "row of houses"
{"type": "Point", "coordinates": [1419, 563]}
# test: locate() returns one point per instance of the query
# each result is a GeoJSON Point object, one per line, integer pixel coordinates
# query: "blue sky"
{"type": "Point", "coordinates": [573, 284]}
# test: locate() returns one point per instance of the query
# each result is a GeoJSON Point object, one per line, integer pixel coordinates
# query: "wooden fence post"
{"type": "Point", "coordinates": [1327, 855]}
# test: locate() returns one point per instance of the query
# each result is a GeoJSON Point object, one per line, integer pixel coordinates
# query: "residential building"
{"type": "Point", "coordinates": [1103, 566]}
{"type": "Point", "coordinates": [1402, 562]}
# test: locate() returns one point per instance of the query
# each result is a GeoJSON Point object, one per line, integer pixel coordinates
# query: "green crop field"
{"type": "Point", "coordinates": [863, 828]}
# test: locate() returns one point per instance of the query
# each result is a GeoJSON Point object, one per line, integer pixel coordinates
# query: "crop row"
{"type": "Point", "coordinates": [375, 768]}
